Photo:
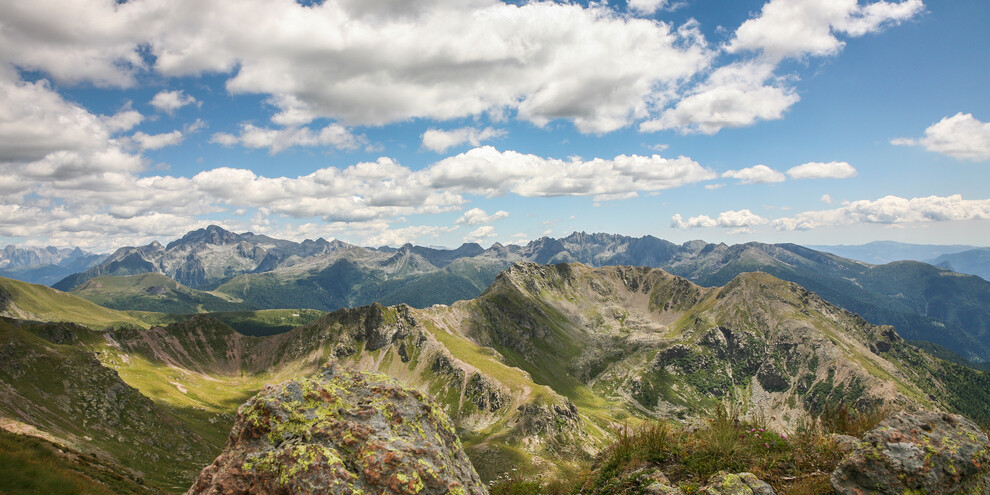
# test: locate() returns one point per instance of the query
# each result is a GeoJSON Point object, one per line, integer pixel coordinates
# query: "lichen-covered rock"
{"type": "Point", "coordinates": [340, 432]}
{"type": "Point", "coordinates": [737, 484]}
{"type": "Point", "coordinates": [657, 484]}
{"type": "Point", "coordinates": [926, 452]}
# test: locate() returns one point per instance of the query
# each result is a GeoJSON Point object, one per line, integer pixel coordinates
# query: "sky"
{"type": "Point", "coordinates": [438, 122]}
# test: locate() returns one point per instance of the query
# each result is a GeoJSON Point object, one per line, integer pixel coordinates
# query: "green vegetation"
{"type": "Point", "coordinates": [794, 463]}
{"type": "Point", "coordinates": [30, 465]}
{"type": "Point", "coordinates": [37, 302]}
{"type": "Point", "coordinates": [152, 292]}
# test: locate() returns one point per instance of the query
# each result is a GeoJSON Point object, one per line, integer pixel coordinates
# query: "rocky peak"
{"type": "Point", "coordinates": [213, 234]}
{"type": "Point", "coordinates": [341, 431]}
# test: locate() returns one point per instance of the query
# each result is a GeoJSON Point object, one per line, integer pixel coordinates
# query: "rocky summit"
{"type": "Point", "coordinates": [341, 432]}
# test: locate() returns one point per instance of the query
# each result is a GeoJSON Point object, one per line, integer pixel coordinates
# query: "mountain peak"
{"type": "Point", "coordinates": [213, 234]}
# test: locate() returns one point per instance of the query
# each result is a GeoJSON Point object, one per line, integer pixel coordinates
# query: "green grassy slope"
{"type": "Point", "coordinates": [38, 302]}
{"type": "Point", "coordinates": [152, 292]}
{"type": "Point", "coordinates": [30, 465]}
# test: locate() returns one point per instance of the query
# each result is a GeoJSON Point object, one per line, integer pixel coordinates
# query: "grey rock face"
{"type": "Point", "coordinates": [926, 452]}
{"type": "Point", "coordinates": [737, 484]}
{"type": "Point", "coordinates": [341, 432]}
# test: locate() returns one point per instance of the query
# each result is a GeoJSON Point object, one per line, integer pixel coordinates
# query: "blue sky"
{"type": "Point", "coordinates": [443, 121]}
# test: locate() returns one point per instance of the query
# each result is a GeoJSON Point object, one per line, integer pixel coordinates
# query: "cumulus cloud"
{"type": "Point", "coordinates": [277, 140]}
{"type": "Point", "coordinates": [891, 210]}
{"type": "Point", "coordinates": [123, 120]}
{"type": "Point", "coordinates": [377, 62]}
{"type": "Point", "coordinates": [170, 101]}
{"type": "Point", "coordinates": [480, 234]}
{"type": "Point", "coordinates": [398, 237]}
{"type": "Point", "coordinates": [818, 170]}
{"type": "Point", "coordinates": [740, 219]}
{"type": "Point", "coordinates": [795, 28]}
{"type": "Point", "coordinates": [646, 6]}
{"type": "Point", "coordinates": [44, 136]}
{"type": "Point", "coordinates": [477, 216]}
{"type": "Point", "coordinates": [759, 174]}
{"type": "Point", "coordinates": [157, 141]}
{"type": "Point", "coordinates": [961, 136]}
{"type": "Point", "coordinates": [736, 95]}
{"type": "Point", "coordinates": [490, 172]}
{"type": "Point", "coordinates": [439, 140]}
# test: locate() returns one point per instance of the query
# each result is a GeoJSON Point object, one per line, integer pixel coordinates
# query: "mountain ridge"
{"type": "Point", "coordinates": [547, 361]}
{"type": "Point", "coordinates": [923, 302]}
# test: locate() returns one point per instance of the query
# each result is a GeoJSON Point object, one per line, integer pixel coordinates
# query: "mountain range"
{"type": "Point", "coordinates": [974, 261]}
{"type": "Point", "coordinates": [535, 372]}
{"type": "Point", "coordinates": [248, 271]}
{"type": "Point", "coordinates": [880, 252]}
{"type": "Point", "coordinates": [45, 265]}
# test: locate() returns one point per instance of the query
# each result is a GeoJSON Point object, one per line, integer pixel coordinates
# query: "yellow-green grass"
{"type": "Point", "coordinates": [38, 302]}
{"type": "Point", "coordinates": [29, 465]}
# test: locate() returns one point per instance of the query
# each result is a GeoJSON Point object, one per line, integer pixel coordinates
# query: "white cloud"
{"type": "Point", "coordinates": [646, 6]}
{"type": "Point", "coordinates": [157, 141]}
{"type": "Point", "coordinates": [961, 136]}
{"type": "Point", "coordinates": [735, 95]}
{"type": "Point", "coordinates": [170, 101]}
{"type": "Point", "coordinates": [44, 136]}
{"type": "Point", "coordinates": [123, 120]}
{"type": "Point", "coordinates": [794, 28]}
{"type": "Point", "coordinates": [277, 140]}
{"type": "Point", "coordinates": [398, 237]}
{"type": "Point", "coordinates": [372, 63]}
{"type": "Point", "coordinates": [890, 210]}
{"type": "Point", "coordinates": [740, 219]}
{"type": "Point", "coordinates": [712, 187]}
{"type": "Point", "coordinates": [439, 140]}
{"type": "Point", "coordinates": [819, 170]}
{"type": "Point", "coordinates": [79, 41]}
{"type": "Point", "coordinates": [759, 174]}
{"type": "Point", "coordinates": [488, 171]}
{"type": "Point", "coordinates": [826, 199]}
{"type": "Point", "coordinates": [480, 234]}
{"type": "Point", "coordinates": [477, 216]}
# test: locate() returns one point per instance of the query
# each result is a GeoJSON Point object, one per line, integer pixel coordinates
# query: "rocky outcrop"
{"type": "Point", "coordinates": [926, 452]}
{"type": "Point", "coordinates": [340, 432]}
{"type": "Point", "coordinates": [737, 484]}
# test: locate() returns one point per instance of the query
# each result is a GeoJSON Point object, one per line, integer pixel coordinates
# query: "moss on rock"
{"type": "Point", "coordinates": [341, 431]}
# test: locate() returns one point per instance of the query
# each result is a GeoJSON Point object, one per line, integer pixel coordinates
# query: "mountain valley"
{"type": "Point", "coordinates": [536, 373]}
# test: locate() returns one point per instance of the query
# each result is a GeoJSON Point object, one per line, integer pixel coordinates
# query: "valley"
{"type": "Point", "coordinates": [536, 373]}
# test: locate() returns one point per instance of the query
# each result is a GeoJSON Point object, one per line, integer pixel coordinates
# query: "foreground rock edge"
{"type": "Point", "coordinates": [341, 431]}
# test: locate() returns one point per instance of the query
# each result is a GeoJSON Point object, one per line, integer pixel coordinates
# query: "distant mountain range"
{"type": "Point", "coordinates": [45, 265]}
{"type": "Point", "coordinates": [974, 262]}
{"type": "Point", "coordinates": [881, 252]}
{"type": "Point", "coordinates": [249, 271]}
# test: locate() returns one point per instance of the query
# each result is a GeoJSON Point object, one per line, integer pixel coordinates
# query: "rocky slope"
{"type": "Point", "coordinates": [341, 432]}
{"type": "Point", "coordinates": [538, 371]}
{"type": "Point", "coordinates": [51, 382]}
{"type": "Point", "coordinates": [924, 302]}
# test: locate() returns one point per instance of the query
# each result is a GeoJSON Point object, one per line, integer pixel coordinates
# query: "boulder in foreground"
{"type": "Point", "coordinates": [926, 452]}
{"type": "Point", "coordinates": [341, 432]}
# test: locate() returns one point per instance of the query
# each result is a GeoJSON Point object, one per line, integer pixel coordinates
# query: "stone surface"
{"type": "Point", "coordinates": [926, 452]}
{"type": "Point", "coordinates": [340, 432]}
{"type": "Point", "coordinates": [737, 484]}
{"type": "Point", "coordinates": [656, 483]}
